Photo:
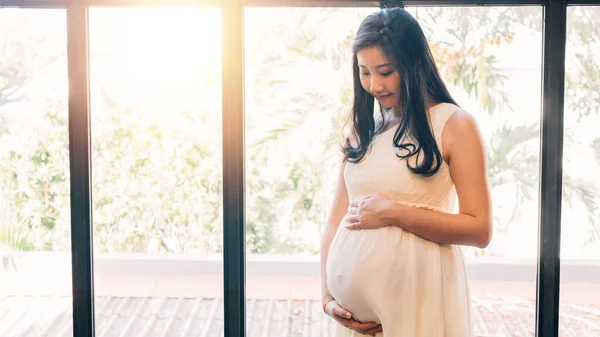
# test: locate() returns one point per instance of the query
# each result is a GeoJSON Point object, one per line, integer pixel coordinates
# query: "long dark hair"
{"type": "Point", "coordinates": [403, 43]}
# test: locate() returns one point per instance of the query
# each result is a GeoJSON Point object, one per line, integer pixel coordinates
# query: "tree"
{"type": "Point", "coordinates": [295, 122]}
{"type": "Point", "coordinates": [465, 57]}
{"type": "Point", "coordinates": [157, 185]}
{"type": "Point", "coordinates": [582, 104]}
{"type": "Point", "coordinates": [33, 174]}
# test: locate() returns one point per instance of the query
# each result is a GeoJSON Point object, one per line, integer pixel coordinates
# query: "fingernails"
{"type": "Point", "coordinates": [348, 315]}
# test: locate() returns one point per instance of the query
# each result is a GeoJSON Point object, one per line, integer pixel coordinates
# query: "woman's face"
{"type": "Point", "coordinates": [378, 77]}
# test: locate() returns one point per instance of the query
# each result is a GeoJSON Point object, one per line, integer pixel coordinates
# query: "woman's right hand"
{"type": "Point", "coordinates": [344, 317]}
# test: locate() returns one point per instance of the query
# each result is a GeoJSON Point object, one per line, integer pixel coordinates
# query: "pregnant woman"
{"type": "Point", "coordinates": [391, 260]}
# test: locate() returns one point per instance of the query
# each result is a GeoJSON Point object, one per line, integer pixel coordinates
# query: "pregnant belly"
{"type": "Point", "coordinates": [362, 265]}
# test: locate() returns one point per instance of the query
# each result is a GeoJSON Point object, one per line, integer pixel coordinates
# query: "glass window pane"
{"type": "Point", "coordinates": [298, 86]}
{"type": "Point", "coordinates": [157, 171]}
{"type": "Point", "coordinates": [580, 232]}
{"type": "Point", "coordinates": [491, 58]}
{"type": "Point", "coordinates": [35, 213]}
{"type": "Point", "coordinates": [298, 95]}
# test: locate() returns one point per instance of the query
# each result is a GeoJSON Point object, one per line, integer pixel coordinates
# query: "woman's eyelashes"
{"type": "Point", "coordinates": [382, 74]}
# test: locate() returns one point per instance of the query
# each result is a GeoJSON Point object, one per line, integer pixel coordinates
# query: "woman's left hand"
{"type": "Point", "coordinates": [367, 212]}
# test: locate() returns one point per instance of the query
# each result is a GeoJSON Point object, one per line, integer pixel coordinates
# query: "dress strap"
{"type": "Point", "coordinates": [439, 115]}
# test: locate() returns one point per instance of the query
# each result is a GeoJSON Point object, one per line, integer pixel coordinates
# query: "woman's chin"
{"type": "Point", "coordinates": [385, 105]}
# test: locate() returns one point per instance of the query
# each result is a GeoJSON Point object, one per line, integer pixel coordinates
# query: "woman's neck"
{"type": "Point", "coordinates": [390, 118]}
{"type": "Point", "coordinates": [393, 114]}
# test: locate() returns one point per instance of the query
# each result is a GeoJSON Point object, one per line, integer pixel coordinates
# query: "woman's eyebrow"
{"type": "Point", "coordinates": [379, 66]}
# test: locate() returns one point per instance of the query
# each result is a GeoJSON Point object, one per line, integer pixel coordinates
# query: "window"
{"type": "Point", "coordinates": [176, 194]}
{"type": "Point", "coordinates": [35, 242]}
{"type": "Point", "coordinates": [298, 95]}
{"type": "Point", "coordinates": [491, 60]}
{"type": "Point", "coordinates": [157, 170]}
{"type": "Point", "coordinates": [580, 232]}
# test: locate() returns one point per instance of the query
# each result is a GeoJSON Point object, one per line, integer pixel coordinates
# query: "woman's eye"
{"type": "Point", "coordinates": [365, 74]}
{"type": "Point", "coordinates": [386, 74]}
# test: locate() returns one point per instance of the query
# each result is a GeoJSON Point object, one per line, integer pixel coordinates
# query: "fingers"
{"type": "Point", "coordinates": [337, 310]}
{"type": "Point", "coordinates": [356, 202]}
{"type": "Point", "coordinates": [363, 328]}
{"type": "Point", "coordinates": [373, 331]}
{"type": "Point", "coordinates": [353, 226]}
{"type": "Point", "coordinates": [344, 317]}
{"type": "Point", "coordinates": [351, 220]}
{"type": "Point", "coordinates": [352, 210]}
{"type": "Point", "coordinates": [352, 217]}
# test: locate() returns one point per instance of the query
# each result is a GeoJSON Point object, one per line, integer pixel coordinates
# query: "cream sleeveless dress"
{"type": "Point", "coordinates": [412, 286]}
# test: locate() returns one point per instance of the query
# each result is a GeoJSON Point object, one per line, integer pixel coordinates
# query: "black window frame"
{"type": "Point", "coordinates": [551, 145]}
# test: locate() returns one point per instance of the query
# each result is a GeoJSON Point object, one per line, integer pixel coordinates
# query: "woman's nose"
{"type": "Point", "coordinates": [376, 85]}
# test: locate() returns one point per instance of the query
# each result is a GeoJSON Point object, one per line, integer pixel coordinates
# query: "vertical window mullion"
{"type": "Point", "coordinates": [234, 238]}
{"type": "Point", "coordinates": [553, 73]}
{"type": "Point", "coordinates": [80, 170]}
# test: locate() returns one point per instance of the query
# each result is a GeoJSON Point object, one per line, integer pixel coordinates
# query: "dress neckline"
{"type": "Point", "coordinates": [395, 126]}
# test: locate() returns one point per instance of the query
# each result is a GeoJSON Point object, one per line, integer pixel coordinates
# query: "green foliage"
{"type": "Point", "coordinates": [514, 157]}
{"type": "Point", "coordinates": [157, 182]}
{"type": "Point", "coordinates": [467, 59]}
{"type": "Point", "coordinates": [156, 186]}
{"type": "Point", "coordinates": [34, 184]}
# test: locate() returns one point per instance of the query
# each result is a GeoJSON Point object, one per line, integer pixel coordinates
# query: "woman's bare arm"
{"type": "Point", "coordinates": [465, 153]}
